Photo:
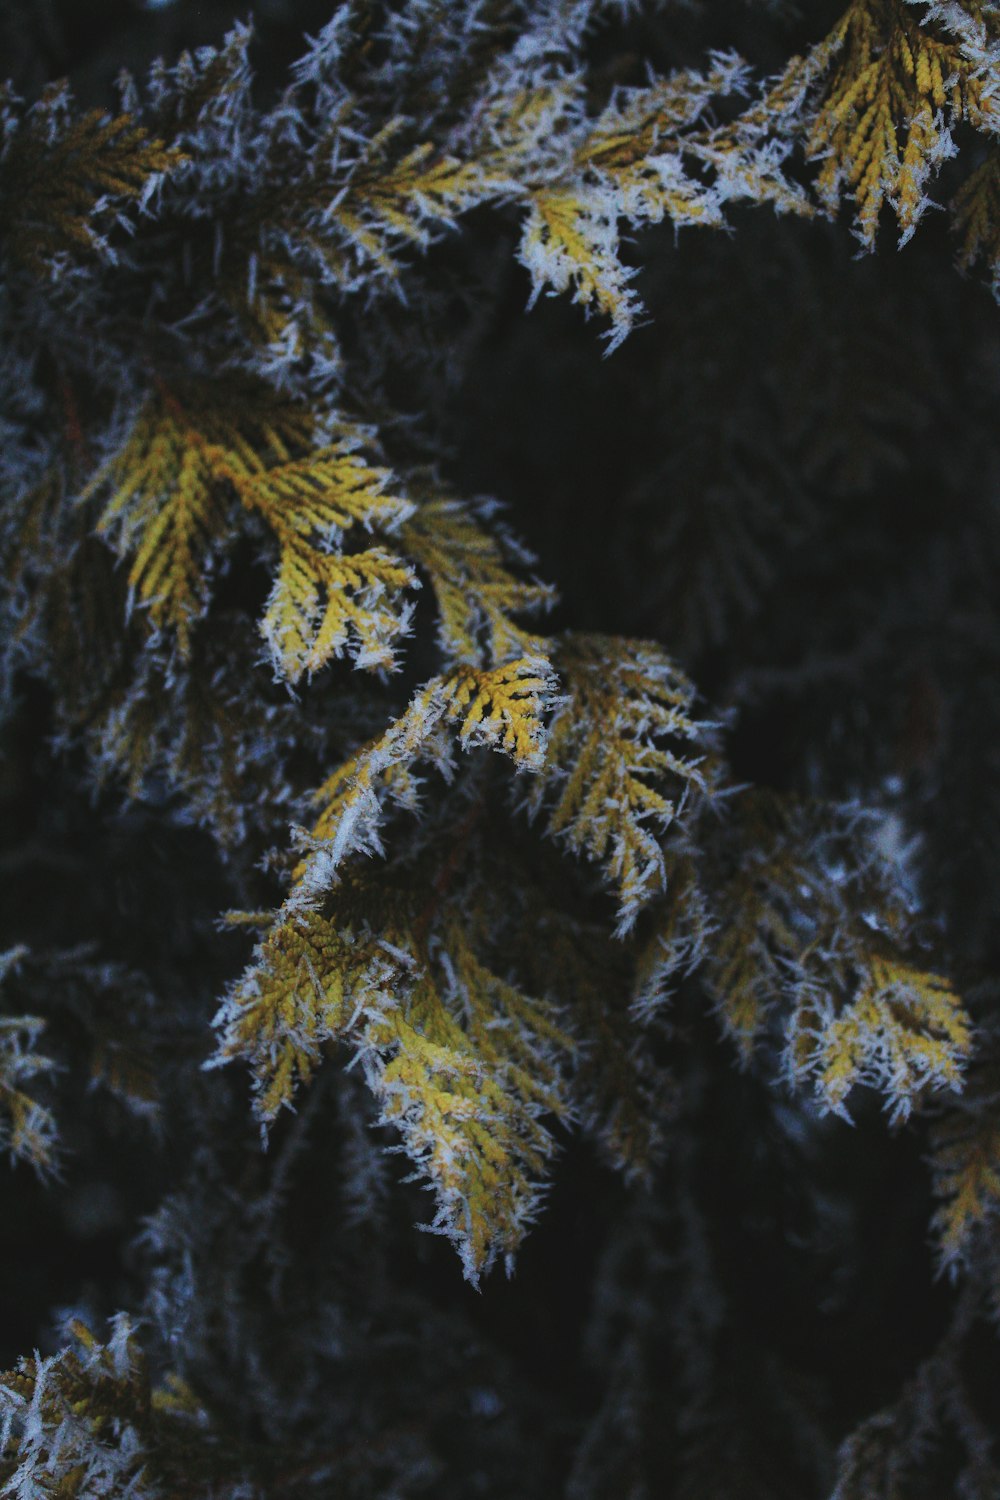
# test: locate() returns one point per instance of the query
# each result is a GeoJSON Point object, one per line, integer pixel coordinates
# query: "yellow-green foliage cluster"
{"type": "Point", "coordinates": [812, 926]}
{"type": "Point", "coordinates": [627, 759]}
{"type": "Point", "coordinates": [508, 875]}
{"type": "Point", "coordinates": [468, 1047]}
{"type": "Point", "coordinates": [89, 1421]}
{"type": "Point", "coordinates": [64, 179]}
{"type": "Point", "coordinates": [966, 1163]}
{"type": "Point", "coordinates": [413, 965]}
{"type": "Point", "coordinates": [171, 490]}
{"type": "Point", "coordinates": [653, 153]}
{"type": "Point", "coordinates": [169, 486]}
{"type": "Point", "coordinates": [459, 1059]}
{"type": "Point", "coordinates": [876, 102]}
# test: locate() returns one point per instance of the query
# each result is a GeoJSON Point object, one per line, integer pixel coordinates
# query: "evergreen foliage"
{"type": "Point", "coordinates": [617, 905]}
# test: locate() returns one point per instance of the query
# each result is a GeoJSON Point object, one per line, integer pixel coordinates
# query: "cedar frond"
{"type": "Point", "coordinates": [389, 199]}
{"type": "Point", "coordinates": [323, 601]}
{"type": "Point", "coordinates": [903, 1031]}
{"type": "Point", "coordinates": [501, 709]}
{"type": "Point", "coordinates": [796, 932]}
{"type": "Point", "coordinates": [570, 242]}
{"type": "Point", "coordinates": [666, 159]}
{"type": "Point", "coordinates": [167, 510]}
{"type": "Point", "coordinates": [361, 194]}
{"type": "Point", "coordinates": [627, 764]}
{"type": "Point", "coordinates": [965, 1163]}
{"type": "Point", "coordinates": [652, 154]}
{"type": "Point", "coordinates": [88, 1421]}
{"type": "Point", "coordinates": [64, 181]}
{"type": "Point", "coordinates": [476, 593]}
{"type": "Point", "coordinates": [78, 1420]}
{"type": "Point", "coordinates": [207, 89]}
{"type": "Point", "coordinates": [172, 484]}
{"type": "Point", "coordinates": [876, 99]}
{"type": "Point", "coordinates": [756, 906]}
{"type": "Point", "coordinates": [460, 1060]}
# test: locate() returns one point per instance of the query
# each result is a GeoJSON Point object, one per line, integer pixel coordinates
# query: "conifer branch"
{"type": "Point", "coordinates": [619, 774]}
{"type": "Point", "coordinates": [65, 183]}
